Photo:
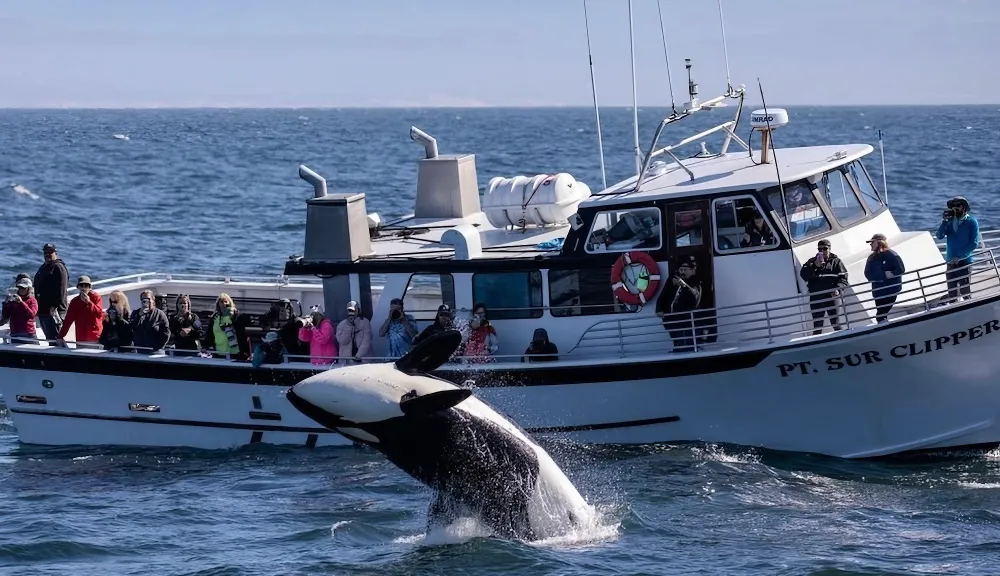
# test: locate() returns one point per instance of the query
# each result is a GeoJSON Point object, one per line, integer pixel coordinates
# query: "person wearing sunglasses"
{"type": "Point", "coordinates": [826, 278]}
{"type": "Point", "coordinates": [86, 311]}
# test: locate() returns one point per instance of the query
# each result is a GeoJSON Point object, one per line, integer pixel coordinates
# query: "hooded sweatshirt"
{"type": "Point", "coordinates": [51, 282]}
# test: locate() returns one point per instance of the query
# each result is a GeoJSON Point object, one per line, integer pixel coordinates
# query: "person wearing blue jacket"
{"type": "Point", "coordinates": [884, 269]}
{"type": "Point", "coordinates": [961, 229]}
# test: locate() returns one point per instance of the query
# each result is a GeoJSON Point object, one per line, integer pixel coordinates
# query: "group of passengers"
{"type": "Point", "coordinates": [43, 304]}
{"type": "Point", "coordinates": [826, 276]}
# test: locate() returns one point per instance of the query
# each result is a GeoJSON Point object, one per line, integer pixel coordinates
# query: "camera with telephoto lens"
{"type": "Point", "coordinates": [948, 213]}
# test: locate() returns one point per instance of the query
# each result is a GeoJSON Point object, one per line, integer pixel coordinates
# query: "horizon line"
{"type": "Point", "coordinates": [464, 107]}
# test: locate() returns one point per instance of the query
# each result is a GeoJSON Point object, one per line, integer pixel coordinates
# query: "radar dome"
{"type": "Point", "coordinates": [768, 118]}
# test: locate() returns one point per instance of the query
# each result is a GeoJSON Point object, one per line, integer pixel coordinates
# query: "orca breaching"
{"type": "Point", "coordinates": [480, 464]}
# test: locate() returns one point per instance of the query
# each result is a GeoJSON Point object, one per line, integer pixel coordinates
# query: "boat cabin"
{"type": "Point", "coordinates": [538, 251]}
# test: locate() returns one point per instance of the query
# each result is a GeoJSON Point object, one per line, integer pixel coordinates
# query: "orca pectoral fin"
{"type": "Point", "coordinates": [433, 402]}
{"type": "Point", "coordinates": [431, 353]}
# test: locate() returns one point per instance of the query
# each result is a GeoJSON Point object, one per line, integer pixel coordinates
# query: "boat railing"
{"type": "Point", "coordinates": [159, 277]}
{"type": "Point", "coordinates": [785, 319]}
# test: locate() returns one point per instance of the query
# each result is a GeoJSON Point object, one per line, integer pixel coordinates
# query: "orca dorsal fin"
{"type": "Point", "coordinates": [430, 353]}
{"type": "Point", "coordinates": [411, 404]}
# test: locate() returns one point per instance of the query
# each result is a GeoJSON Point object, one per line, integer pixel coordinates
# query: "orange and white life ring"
{"type": "Point", "coordinates": [635, 277]}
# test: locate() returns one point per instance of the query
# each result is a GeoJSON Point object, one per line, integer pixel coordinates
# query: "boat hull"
{"type": "Point", "coordinates": [925, 382]}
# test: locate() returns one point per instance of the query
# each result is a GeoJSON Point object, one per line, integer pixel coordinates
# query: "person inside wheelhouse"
{"type": "Point", "coordinates": [756, 232]}
{"type": "Point", "coordinates": [680, 297]}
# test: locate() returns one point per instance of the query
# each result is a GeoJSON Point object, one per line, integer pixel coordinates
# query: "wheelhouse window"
{"type": "Point", "coordinates": [805, 217]}
{"type": "Point", "coordinates": [857, 172]}
{"type": "Point", "coordinates": [582, 293]}
{"type": "Point", "coordinates": [839, 194]}
{"type": "Point", "coordinates": [624, 230]}
{"type": "Point", "coordinates": [509, 295]}
{"type": "Point", "coordinates": [425, 292]}
{"type": "Point", "coordinates": [740, 225]}
{"type": "Point", "coordinates": [687, 228]}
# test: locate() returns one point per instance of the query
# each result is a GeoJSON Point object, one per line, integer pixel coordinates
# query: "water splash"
{"type": "Point", "coordinates": [23, 191]}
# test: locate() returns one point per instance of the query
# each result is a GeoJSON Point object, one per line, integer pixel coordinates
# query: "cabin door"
{"type": "Point", "coordinates": [689, 236]}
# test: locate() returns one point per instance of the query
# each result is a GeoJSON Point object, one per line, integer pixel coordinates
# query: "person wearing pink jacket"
{"type": "Point", "coordinates": [354, 335]}
{"type": "Point", "coordinates": [318, 331]}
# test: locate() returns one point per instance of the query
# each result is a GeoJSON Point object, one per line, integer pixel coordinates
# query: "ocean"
{"type": "Point", "coordinates": [216, 191]}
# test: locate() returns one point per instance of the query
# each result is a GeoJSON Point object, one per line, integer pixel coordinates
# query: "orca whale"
{"type": "Point", "coordinates": [478, 463]}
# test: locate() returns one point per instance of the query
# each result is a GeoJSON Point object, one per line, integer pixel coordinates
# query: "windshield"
{"type": "Point", "coordinates": [805, 217]}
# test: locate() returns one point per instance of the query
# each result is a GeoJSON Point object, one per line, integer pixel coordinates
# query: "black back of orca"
{"type": "Point", "coordinates": [471, 460]}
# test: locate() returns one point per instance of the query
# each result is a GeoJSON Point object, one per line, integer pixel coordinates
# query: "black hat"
{"type": "Point", "coordinates": [49, 248]}
{"type": "Point", "coordinates": [958, 201]}
{"type": "Point", "coordinates": [689, 261]}
{"type": "Point", "coordinates": [444, 308]}
{"type": "Point", "coordinates": [398, 301]}
{"type": "Point", "coordinates": [824, 243]}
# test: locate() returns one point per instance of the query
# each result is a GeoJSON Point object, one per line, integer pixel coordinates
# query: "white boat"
{"type": "Point", "coordinates": [539, 251]}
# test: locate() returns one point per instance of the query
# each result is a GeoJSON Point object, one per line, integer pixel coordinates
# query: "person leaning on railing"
{"type": "Point", "coordinates": [825, 276]}
{"type": "Point", "coordinates": [884, 269]}
{"type": "Point", "coordinates": [117, 332]}
{"type": "Point", "coordinates": [150, 326]}
{"type": "Point", "coordinates": [961, 231]}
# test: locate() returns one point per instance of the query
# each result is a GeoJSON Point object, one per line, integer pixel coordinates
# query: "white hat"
{"type": "Point", "coordinates": [270, 336]}
{"type": "Point", "coordinates": [23, 283]}
{"type": "Point", "coordinates": [352, 306]}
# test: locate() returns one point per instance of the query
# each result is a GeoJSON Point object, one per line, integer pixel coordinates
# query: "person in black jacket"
{"type": "Point", "coordinates": [150, 327]}
{"type": "Point", "coordinates": [51, 283]}
{"type": "Point", "coordinates": [117, 332]}
{"type": "Point", "coordinates": [826, 278]}
{"type": "Point", "coordinates": [541, 348]}
{"type": "Point", "coordinates": [679, 297]}
{"type": "Point", "coordinates": [185, 327]}
{"type": "Point", "coordinates": [441, 323]}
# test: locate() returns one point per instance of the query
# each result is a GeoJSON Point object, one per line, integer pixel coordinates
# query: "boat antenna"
{"type": "Point", "coordinates": [666, 57]}
{"type": "Point", "coordinates": [635, 106]}
{"type": "Point", "coordinates": [777, 171]}
{"type": "Point", "coordinates": [725, 49]}
{"type": "Point", "coordinates": [881, 153]}
{"type": "Point", "coordinates": [593, 88]}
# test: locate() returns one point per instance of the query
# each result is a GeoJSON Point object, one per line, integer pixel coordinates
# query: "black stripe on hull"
{"type": "Point", "coordinates": [539, 374]}
{"type": "Point", "coordinates": [313, 432]}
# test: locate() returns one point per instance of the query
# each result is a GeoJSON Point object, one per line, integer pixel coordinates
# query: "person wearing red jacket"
{"type": "Point", "coordinates": [20, 310]}
{"type": "Point", "coordinates": [86, 311]}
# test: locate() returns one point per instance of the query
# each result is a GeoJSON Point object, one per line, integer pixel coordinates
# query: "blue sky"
{"type": "Point", "coordinates": [256, 53]}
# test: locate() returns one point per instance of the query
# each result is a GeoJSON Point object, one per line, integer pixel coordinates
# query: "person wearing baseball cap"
{"type": "Point", "coordinates": [51, 284]}
{"type": "Point", "coordinates": [884, 269]}
{"type": "Point", "coordinates": [441, 323]}
{"type": "Point", "coordinates": [354, 335]}
{"type": "Point", "coordinates": [825, 276]}
{"type": "Point", "coordinates": [86, 311]}
{"type": "Point", "coordinates": [20, 309]}
{"type": "Point", "coordinates": [960, 230]}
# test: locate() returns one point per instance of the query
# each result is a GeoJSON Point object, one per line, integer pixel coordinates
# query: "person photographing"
{"type": "Point", "coordinates": [826, 277]}
{"type": "Point", "coordinates": [399, 329]}
{"type": "Point", "coordinates": [354, 335]}
{"type": "Point", "coordinates": [20, 309]}
{"type": "Point", "coordinates": [86, 310]}
{"type": "Point", "coordinates": [960, 230]}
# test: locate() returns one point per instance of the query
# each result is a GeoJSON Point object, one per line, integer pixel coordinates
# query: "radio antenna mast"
{"type": "Point", "coordinates": [666, 56]}
{"type": "Point", "coordinates": [777, 171]}
{"type": "Point", "coordinates": [881, 153]}
{"type": "Point", "coordinates": [593, 88]}
{"type": "Point", "coordinates": [635, 106]}
{"type": "Point", "coordinates": [725, 49]}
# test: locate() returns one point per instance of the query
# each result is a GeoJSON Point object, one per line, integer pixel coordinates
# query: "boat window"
{"type": "Point", "coordinates": [857, 172]}
{"type": "Point", "coordinates": [687, 228]}
{"type": "Point", "coordinates": [840, 196]}
{"type": "Point", "coordinates": [582, 293]}
{"type": "Point", "coordinates": [509, 295]}
{"type": "Point", "coordinates": [624, 230]}
{"type": "Point", "coordinates": [425, 292]}
{"type": "Point", "coordinates": [805, 216]}
{"type": "Point", "coordinates": [740, 225]}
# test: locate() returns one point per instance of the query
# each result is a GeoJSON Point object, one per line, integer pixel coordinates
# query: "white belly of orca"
{"type": "Point", "coordinates": [438, 433]}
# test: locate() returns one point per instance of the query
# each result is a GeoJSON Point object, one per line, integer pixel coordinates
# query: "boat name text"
{"type": "Point", "coordinates": [854, 360]}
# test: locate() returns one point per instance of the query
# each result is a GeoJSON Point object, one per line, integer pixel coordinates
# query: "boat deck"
{"type": "Point", "coordinates": [759, 325]}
